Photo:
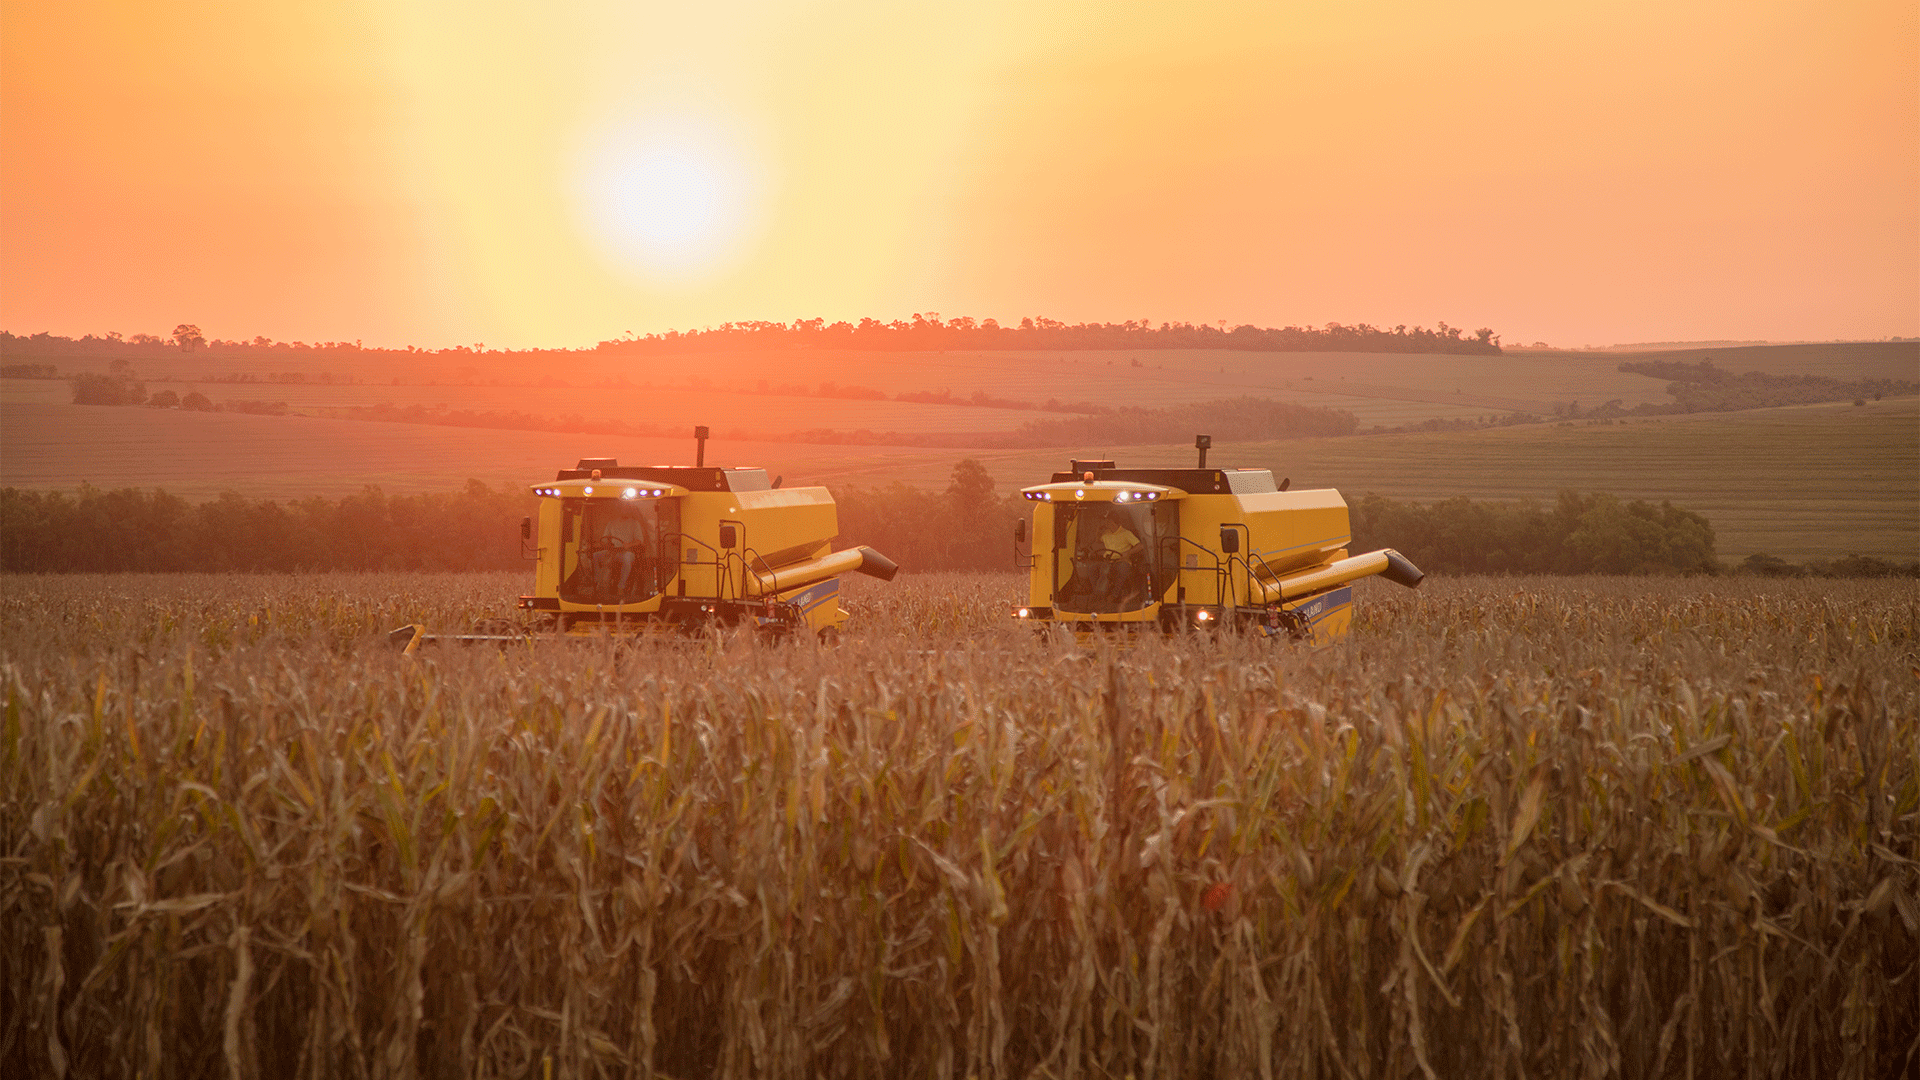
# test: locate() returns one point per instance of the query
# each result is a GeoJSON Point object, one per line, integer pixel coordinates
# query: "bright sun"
{"type": "Point", "coordinates": [669, 200]}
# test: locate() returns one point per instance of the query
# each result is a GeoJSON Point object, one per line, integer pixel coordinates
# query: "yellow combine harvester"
{"type": "Point", "coordinates": [1173, 549]}
{"type": "Point", "coordinates": [629, 550]}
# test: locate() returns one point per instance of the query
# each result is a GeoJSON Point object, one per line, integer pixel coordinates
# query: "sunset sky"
{"type": "Point", "coordinates": [437, 173]}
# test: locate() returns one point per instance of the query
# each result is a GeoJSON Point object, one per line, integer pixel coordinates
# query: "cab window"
{"type": "Point", "coordinates": [1110, 557]}
{"type": "Point", "coordinates": [617, 552]}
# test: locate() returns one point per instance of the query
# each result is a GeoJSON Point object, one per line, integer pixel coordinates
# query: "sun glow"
{"type": "Point", "coordinates": [668, 200]}
{"type": "Point", "coordinates": [414, 172]}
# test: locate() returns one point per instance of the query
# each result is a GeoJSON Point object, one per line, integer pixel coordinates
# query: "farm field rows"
{"type": "Point", "coordinates": [1382, 389]}
{"type": "Point", "coordinates": [1512, 827]}
{"type": "Point", "coordinates": [199, 455]}
{"type": "Point", "coordinates": [1796, 483]}
{"type": "Point", "coordinates": [725, 412]}
{"type": "Point", "coordinates": [1817, 481]}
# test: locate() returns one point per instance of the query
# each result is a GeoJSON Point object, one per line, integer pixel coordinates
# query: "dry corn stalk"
{"type": "Point", "coordinates": [1581, 828]}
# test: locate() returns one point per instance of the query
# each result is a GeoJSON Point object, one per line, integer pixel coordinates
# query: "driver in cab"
{"type": "Point", "coordinates": [1109, 562]}
{"type": "Point", "coordinates": [623, 541]}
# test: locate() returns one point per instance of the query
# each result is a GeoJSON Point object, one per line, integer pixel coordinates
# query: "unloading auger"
{"type": "Point", "coordinates": [638, 550]}
{"type": "Point", "coordinates": [1174, 549]}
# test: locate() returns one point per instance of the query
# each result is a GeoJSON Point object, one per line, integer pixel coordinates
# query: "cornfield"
{"type": "Point", "coordinates": [1512, 828]}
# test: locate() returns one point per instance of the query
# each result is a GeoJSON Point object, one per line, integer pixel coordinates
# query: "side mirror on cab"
{"type": "Point", "coordinates": [1229, 539]}
{"type": "Point", "coordinates": [526, 528]}
{"type": "Point", "coordinates": [1020, 532]}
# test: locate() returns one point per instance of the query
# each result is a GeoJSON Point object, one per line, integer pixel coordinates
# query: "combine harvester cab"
{"type": "Point", "coordinates": [633, 550]}
{"type": "Point", "coordinates": [1179, 549]}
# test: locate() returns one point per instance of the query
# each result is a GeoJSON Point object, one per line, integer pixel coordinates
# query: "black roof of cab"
{"type": "Point", "coordinates": [691, 477]}
{"type": "Point", "coordinates": [1191, 481]}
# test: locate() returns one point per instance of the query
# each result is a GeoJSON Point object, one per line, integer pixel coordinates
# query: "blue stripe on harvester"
{"type": "Point", "coordinates": [815, 595]}
{"type": "Point", "coordinates": [1325, 604]}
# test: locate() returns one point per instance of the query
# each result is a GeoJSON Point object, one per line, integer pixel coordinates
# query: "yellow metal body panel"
{"type": "Point", "coordinates": [1040, 570]}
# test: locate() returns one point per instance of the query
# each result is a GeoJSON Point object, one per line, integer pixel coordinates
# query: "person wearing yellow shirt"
{"type": "Point", "coordinates": [1111, 563]}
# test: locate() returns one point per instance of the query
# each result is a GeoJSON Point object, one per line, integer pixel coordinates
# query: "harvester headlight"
{"type": "Point", "coordinates": [1203, 615]}
{"type": "Point", "coordinates": [1079, 493]}
{"type": "Point", "coordinates": [1023, 613]}
{"type": "Point", "coordinates": [586, 490]}
{"type": "Point", "coordinates": [630, 493]}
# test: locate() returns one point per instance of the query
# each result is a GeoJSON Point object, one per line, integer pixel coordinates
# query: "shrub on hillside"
{"type": "Point", "coordinates": [1583, 533]}
{"type": "Point", "coordinates": [94, 389]}
{"type": "Point", "coordinates": [1852, 566]}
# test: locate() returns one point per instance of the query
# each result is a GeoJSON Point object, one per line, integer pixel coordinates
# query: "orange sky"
{"type": "Point", "coordinates": [433, 173]}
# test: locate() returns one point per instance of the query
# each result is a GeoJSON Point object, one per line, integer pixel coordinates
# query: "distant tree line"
{"type": "Point", "coordinates": [1582, 533]}
{"type": "Point", "coordinates": [130, 530]}
{"type": "Point", "coordinates": [966, 526]}
{"type": "Point", "coordinates": [923, 332]}
{"type": "Point", "coordinates": [928, 332]}
{"type": "Point", "coordinates": [97, 531]}
{"type": "Point", "coordinates": [185, 338]}
{"type": "Point", "coordinates": [120, 388]}
{"type": "Point", "coordinates": [1703, 387]}
{"type": "Point", "coordinates": [1852, 566]}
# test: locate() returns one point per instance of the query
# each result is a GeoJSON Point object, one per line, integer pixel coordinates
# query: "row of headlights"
{"type": "Point", "coordinates": [1202, 615]}
{"type": "Point", "coordinates": [629, 493]}
{"type": "Point", "coordinates": [1081, 493]}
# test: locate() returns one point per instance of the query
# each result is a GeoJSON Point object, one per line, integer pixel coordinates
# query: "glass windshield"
{"type": "Point", "coordinates": [616, 552]}
{"type": "Point", "coordinates": [1112, 557]}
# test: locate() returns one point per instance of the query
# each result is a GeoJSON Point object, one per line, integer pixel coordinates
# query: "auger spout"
{"type": "Point", "coordinates": [1386, 562]}
{"type": "Point", "coordinates": [861, 560]}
